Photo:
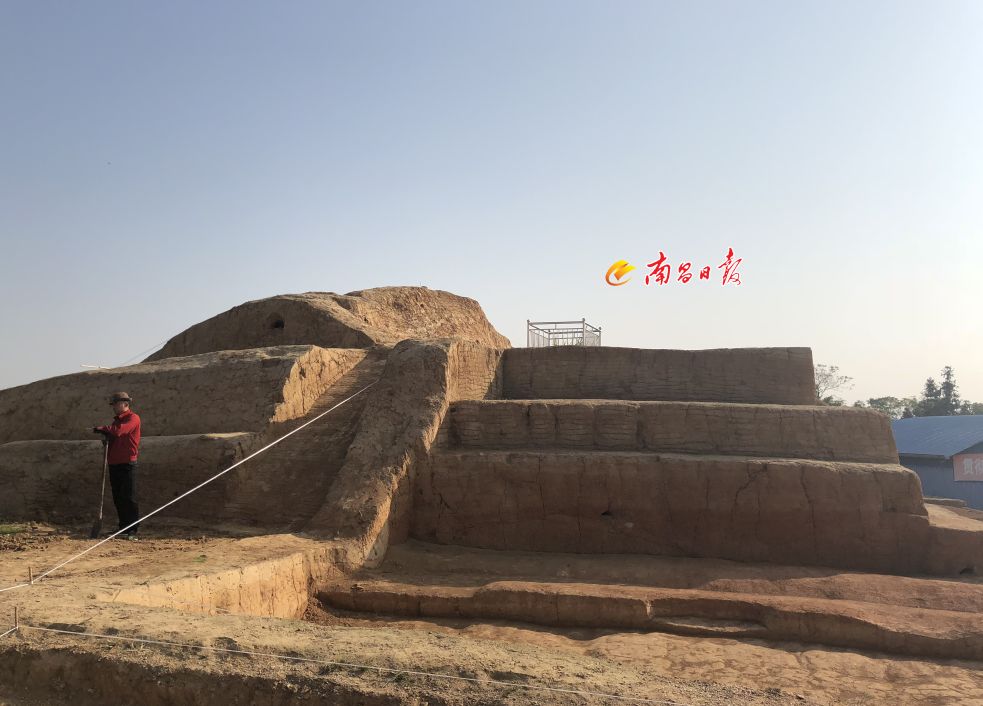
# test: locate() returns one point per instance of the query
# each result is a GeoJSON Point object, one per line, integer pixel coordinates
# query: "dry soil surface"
{"type": "Point", "coordinates": [658, 667]}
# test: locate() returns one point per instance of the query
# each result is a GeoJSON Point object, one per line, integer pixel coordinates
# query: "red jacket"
{"type": "Point", "coordinates": [124, 437]}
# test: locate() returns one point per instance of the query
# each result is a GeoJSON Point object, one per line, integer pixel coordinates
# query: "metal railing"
{"type": "Point", "coordinates": [542, 334]}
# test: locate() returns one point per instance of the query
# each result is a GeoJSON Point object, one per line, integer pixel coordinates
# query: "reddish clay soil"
{"type": "Point", "coordinates": [652, 665]}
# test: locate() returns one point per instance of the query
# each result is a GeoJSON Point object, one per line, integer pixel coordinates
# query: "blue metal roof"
{"type": "Point", "coordinates": [937, 436]}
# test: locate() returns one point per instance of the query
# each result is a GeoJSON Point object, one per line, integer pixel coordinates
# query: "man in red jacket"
{"type": "Point", "coordinates": [123, 437]}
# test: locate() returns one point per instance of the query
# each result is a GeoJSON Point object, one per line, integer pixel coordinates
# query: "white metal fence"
{"type": "Point", "coordinates": [541, 334]}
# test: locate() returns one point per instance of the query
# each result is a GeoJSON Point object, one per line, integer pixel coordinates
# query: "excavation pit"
{"type": "Point", "coordinates": [436, 518]}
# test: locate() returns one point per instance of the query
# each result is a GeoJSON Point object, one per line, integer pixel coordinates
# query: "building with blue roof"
{"type": "Point", "coordinates": [946, 453]}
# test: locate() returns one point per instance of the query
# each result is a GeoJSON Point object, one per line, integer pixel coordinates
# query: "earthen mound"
{"type": "Point", "coordinates": [229, 391]}
{"type": "Point", "coordinates": [362, 319]}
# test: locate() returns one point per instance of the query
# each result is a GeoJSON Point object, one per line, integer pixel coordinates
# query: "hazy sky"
{"type": "Point", "coordinates": [163, 162]}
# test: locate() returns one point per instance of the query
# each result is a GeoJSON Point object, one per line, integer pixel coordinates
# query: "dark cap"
{"type": "Point", "coordinates": [119, 397]}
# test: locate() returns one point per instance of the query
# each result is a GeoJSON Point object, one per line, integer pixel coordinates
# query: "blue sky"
{"type": "Point", "coordinates": [163, 162]}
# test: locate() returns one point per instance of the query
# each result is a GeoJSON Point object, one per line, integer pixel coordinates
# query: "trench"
{"type": "Point", "coordinates": [274, 588]}
{"type": "Point", "coordinates": [63, 669]}
{"type": "Point", "coordinates": [66, 675]}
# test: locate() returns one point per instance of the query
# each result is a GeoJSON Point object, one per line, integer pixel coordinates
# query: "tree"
{"type": "Point", "coordinates": [937, 399]}
{"type": "Point", "coordinates": [893, 407]}
{"type": "Point", "coordinates": [949, 392]}
{"type": "Point", "coordinates": [828, 381]}
{"type": "Point", "coordinates": [909, 404]}
{"type": "Point", "coordinates": [942, 400]}
{"type": "Point", "coordinates": [930, 405]}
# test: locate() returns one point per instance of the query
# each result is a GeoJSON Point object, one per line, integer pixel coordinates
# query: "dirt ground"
{"type": "Point", "coordinates": [654, 666]}
{"type": "Point", "coordinates": [7, 699]}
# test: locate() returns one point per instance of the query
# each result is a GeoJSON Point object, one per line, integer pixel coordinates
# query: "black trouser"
{"type": "Point", "coordinates": [123, 477]}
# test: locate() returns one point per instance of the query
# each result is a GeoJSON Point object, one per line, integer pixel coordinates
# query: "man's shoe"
{"type": "Point", "coordinates": [131, 537]}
